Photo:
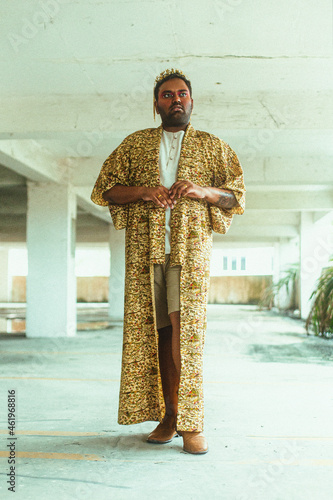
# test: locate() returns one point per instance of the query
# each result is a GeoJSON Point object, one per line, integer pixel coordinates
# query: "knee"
{"type": "Point", "coordinates": [175, 320]}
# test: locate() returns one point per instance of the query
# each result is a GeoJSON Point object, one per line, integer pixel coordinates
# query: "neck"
{"type": "Point", "coordinates": [174, 129]}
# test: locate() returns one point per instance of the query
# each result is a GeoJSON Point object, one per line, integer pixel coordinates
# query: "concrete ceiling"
{"type": "Point", "coordinates": [77, 77]}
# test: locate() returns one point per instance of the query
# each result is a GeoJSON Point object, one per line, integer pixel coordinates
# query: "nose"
{"type": "Point", "coordinates": [176, 98]}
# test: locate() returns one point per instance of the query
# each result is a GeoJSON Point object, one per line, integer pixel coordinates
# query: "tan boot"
{"type": "Point", "coordinates": [164, 432]}
{"type": "Point", "coordinates": [194, 442]}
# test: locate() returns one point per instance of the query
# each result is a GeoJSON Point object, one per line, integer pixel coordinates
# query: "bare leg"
{"type": "Point", "coordinates": [175, 323]}
{"type": "Point", "coordinates": [169, 359]}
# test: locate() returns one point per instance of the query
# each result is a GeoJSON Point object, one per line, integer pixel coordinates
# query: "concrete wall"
{"type": "Point", "coordinates": [237, 289]}
{"type": "Point", "coordinates": [223, 289]}
{"type": "Point", "coordinates": [19, 289]}
{"type": "Point", "coordinates": [89, 289]}
{"type": "Point", "coordinates": [94, 289]}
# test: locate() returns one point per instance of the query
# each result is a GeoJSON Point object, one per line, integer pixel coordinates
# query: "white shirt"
{"type": "Point", "coordinates": [170, 147]}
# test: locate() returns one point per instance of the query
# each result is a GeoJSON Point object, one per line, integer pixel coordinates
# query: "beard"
{"type": "Point", "coordinates": [176, 118]}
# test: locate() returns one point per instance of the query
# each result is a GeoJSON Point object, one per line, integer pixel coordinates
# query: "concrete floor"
{"type": "Point", "coordinates": [269, 414]}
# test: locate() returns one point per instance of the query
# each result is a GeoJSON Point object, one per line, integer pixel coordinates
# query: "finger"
{"type": "Point", "coordinates": [168, 202]}
{"type": "Point", "coordinates": [164, 194]}
{"type": "Point", "coordinates": [182, 190]}
{"type": "Point", "coordinates": [163, 191]}
{"type": "Point", "coordinates": [165, 200]}
{"type": "Point", "coordinates": [159, 200]}
{"type": "Point", "coordinates": [175, 189]}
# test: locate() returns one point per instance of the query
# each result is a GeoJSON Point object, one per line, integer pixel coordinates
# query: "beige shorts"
{"type": "Point", "coordinates": [167, 296]}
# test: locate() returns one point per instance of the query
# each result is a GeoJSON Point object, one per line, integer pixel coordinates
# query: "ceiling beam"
{"type": "Point", "coordinates": [271, 110]}
{"type": "Point", "coordinates": [260, 230]}
{"type": "Point", "coordinates": [30, 160]}
{"type": "Point", "coordinates": [292, 201]}
{"type": "Point", "coordinates": [269, 172]}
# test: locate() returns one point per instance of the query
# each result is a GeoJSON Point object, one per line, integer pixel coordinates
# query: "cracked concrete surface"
{"type": "Point", "coordinates": [268, 405]}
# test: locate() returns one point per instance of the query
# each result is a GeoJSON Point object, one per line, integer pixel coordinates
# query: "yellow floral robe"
{"type": "Point", "coordinates": [206, 161]}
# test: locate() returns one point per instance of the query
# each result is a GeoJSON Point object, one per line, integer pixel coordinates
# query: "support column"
{"type": "Point", "coordinates": [276, 263]}
{"type": "Point", "coordinates": [316, 248]}
{"type": "Point", "coordinates": [4, 281]}
{"type": "Point", "coordinates": [288, 256]}
{"type": "Point", "coordinates": [117, 274]}
{"type": "Point", "coordinates": [4, 284]}
{"type": "Point", "coordinates": [51, 281]}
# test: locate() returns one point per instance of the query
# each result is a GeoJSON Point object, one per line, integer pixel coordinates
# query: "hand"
{"type": "Point", "coordinates": [158, 195]}
{"type": "Point", "coordinates": [186, 188]}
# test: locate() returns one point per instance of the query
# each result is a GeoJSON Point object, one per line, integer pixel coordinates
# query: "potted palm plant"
{"type": "Point", "coordinates": [321, 314]}
{"type": "Point", "coordinates": [287, 282]}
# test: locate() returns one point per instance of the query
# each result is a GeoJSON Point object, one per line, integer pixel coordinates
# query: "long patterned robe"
{"type": "Point", "coordinates": [206, 161]}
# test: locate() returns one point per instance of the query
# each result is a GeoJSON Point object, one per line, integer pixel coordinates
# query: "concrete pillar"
{"type": "Point", "coordinates": [5, 288]}
{"type": "Point", "coordinates": [316, 248]}
{"type": "Point", "coordinates": [288, 256]}
{"type": "Point", "coordinates": [276, 263]}
{"type": "Point", "coordinates": [117, 274]}
{"type": "Point", "coordinates": [51, 282]}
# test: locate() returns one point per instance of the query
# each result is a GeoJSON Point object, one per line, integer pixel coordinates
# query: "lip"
{"type": "Point", "coordinates": [177, 108]}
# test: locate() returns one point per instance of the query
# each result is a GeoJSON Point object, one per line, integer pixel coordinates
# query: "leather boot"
{"type": "Point", "coordinates": [164, 432]}
{"type": "Point", "coordinates": [194, 442]}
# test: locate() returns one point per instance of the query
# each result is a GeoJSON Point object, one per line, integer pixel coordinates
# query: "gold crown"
{"type": "Point", "coordinates": [169, 72]}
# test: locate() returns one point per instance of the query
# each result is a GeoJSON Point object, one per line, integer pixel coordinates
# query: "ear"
{"type": "Point", "coordinates": [156, 109]}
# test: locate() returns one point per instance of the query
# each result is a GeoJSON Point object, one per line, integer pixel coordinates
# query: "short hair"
{"type": "Point", "coordinates": [170, 75]}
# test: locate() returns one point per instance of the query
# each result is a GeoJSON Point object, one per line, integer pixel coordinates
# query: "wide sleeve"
{"type": "Point", "coordinates": [228, 174]}
{"type": "Point", "coordinates": [115, 170]}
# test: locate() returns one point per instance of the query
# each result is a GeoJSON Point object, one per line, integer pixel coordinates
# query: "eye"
{"type": "Point", "coordinates": [183, 94]}
{"type": "Point", "coordinates": [167, 95]}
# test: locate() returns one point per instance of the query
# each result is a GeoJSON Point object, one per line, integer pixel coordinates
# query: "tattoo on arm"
{"type": "Point", "coordinates": [226, 200]}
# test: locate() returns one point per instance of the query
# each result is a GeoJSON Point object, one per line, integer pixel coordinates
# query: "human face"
{"type": "Point", "coordinates": [174, 104]}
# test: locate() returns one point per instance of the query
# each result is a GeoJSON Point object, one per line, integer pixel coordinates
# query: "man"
{"type": "Point", "coordinates": [169, 187]}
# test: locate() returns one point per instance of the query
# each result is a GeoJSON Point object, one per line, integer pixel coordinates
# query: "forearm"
{"type": "Point", "coordinates": [123, 194]}
{"type": "Point", "coordinates": [223, 198]}
{"type": "Point", "coordinates": [220, 197]}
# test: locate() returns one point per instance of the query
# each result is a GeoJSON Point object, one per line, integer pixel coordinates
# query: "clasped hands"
{"type": "Point", "coordinates": [167, 198]}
